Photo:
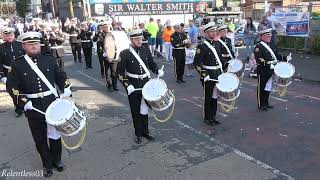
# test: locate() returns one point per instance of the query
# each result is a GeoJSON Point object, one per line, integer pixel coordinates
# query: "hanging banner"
{"type": "Point", "coordinates": [292, 23]}
{"type": "Point", "coordinates": [152, 8]}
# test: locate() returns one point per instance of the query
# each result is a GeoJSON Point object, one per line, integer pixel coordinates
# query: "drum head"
{"type": "Point", "coordinates": [227, 82]}
{"type": "Point", "coordinates": [284, 70]}
{"type": "Point", "coordinates": [235, 65]}
{"type": "Point", "coordinates": [154, 89]}
{"type": "Point", "coordinates": [58, 111]}
{"type": "Point", "coordinates": [110, 46]}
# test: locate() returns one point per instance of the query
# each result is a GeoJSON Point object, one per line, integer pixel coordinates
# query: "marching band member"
{"type": "Point", "coordinates": [73, 32]}
{"type": "Point", "coordinates": [30, 90]}
{"type": "Point", "coordinates": [207, 63]}
{"type": "Point", "coordinates": [105, 27]}
{"type": "Point", "coordinates": [44, 41]}
{"type": "Point", "coordinates": [179, 41]}
{"type": "Point", "coordinates": [86, 43]}
{"type": "Point", "coordinates": [9, 51]}
{"type": "Point", "coordinates": [146, 35]}
{"type": "Point", "coordinates": [133, 73]}
{"type": "Point", "coordinates": [226, 47]}
{"type": "Point", "coordinates": [56, 40]}
{"type": "Point", "coordinates": [267, 57]}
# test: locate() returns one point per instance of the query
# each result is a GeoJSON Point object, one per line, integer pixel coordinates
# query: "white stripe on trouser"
{"type": "Point", "coordinates": [268, 85]}
{"type": "Point", "coordinates": [143, 107]}
{"type": "Point", "coordinates": [52, 133]}
{"type": "Point", "coordinates": [215, 92]}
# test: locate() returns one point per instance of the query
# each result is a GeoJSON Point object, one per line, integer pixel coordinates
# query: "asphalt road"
{"type": "Point", "coordinates": [282, 143]}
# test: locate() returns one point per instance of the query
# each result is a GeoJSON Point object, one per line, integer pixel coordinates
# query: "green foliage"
{"type": "Point", "coordinates": [297, 43]}
{"type": "Point", "coordinates": [23, 7]}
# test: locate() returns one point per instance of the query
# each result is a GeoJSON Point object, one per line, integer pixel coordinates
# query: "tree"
{"type": "Point", "coordinates": [23, 7]}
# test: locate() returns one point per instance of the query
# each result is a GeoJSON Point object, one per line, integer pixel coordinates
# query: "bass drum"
{"type": "Point", "coordinates": [114, 43]}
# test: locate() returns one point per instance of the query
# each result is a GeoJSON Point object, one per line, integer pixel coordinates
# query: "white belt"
{"type": "Point", "coordinates": [211, 67]}
{"type": "Point", "coordinates": [39, 95]}
{"type": "Point", "coordinates": [225, 55]}
{"type": "Point", "coordinates": [85, 40]}
{"type": "Point", "coordinates": [144, 41]}
{"type": "Point", "coordinates": [56, 47]}
{"type": "Point", "coordinates": [7, 67]}
{"type": "Point", "coordinates": [179, 48]}
{"type": "Point", "coordinates": [73, 34]}
{"type": "Point", "coordinates": [42, 44]}
{"type": "Point", "coordinates": [136, 76]}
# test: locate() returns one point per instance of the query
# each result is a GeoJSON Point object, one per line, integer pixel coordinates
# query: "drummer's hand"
{"type": "Point", "coordinates": [28, 106]}
{"type": "Point", "coordinates": [236, 54]}
{"type": "Point", "coordinates": [4, 80]}
{"type": "Point", "coordinates": [104, 54]}
{"type": "Point", "coordinates": [66, 92]}
{"type": "Point", "coordinates": [160, 72]}
{"type": "Point", "coordinates": [271, 66]}
{"type": "Point", "coordinates": [207, 78]}
{"type": "Point", "coordinates": [130, 89]}
{"type": "Point", "coordinates": [274, 61]}
{"type": "Point", "coordinates": [289, 58]}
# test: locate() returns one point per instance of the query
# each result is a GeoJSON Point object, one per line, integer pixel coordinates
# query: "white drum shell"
{"type": "Point", "coordinates": [228, 86]}
{"type": "Point", "coordinates": [157, 95]}
{"type": "Point", "coordinates": [65, 117]}
{"type": "Point", "coordinates": [283, 73]}
{"type": "Point", "coordinates": [235, 66]}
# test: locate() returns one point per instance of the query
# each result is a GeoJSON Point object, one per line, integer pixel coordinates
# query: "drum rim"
{"type": "Point", "coordinates": [154, 79]}
{"type": "Point", "coordinates": [282, 63]}
{"type": "Point", "coordinates": [217, 84]}
{"type": "Point", "coordinates": [115, 35]}
{"type": "Point", "coordinates": [57, 123]}
{"type": "Point", "coordinates": [238, 61]}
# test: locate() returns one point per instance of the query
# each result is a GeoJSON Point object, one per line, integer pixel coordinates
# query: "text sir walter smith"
{"type": "Point", "coordinates": [150, 7]}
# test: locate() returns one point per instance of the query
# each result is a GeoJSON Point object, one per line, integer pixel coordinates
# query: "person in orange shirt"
{"type": "Point", "coordinates": [167, 32]}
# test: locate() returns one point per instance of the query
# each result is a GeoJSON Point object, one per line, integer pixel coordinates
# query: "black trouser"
{"type": "Point", "coordinates": [262, 95]}
{"type": "Point", "coordinates": [111, 78]}
{"type": "Point", "coordinates": [210, 104]}
{"type": "Point", "coordinates": [140, 122]}
{"type": "Point", "coordinates": [76, 50]}
{"type": "Point", "coordinates": [101, 61]}
{"type": "Point", "coordinates": [179, 56]}
{"type": "Point", "coordinates": [87, 56]}
{"type": "Point", "coordinates": [49, 155]}
{"type": "Point", "coordinates": [60, 62]}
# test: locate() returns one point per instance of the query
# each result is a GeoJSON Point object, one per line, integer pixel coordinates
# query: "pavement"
{"type": "Point", "coordinates": [248, 145]}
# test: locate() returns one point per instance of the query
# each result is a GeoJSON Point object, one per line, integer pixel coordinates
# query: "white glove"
{"type": "Point", "coordinates": [130, 89]}
{"type": "Point", "coordinates": [105, 54]}
{"type": "Point", "coordinates": [274, 61]}
{"type": "Point", "coordinates": [236, 54]}
{"type": "Point", "coordinates": [28, 106]}
{"type": "Point", "coordinates": [207, 78]}
{"type": "Point", "coordinates": [4, 80]}
{"type": "Point", "coordinates": [185, 41]}
{"type": "Point", "coordinates": [289, 58]}
{"type": "Point", "coordinates": [160, 72]}
{"type": "Point", "coordinates": [271, 66]}
{"type": "Point", "coordinates": [67, 92]}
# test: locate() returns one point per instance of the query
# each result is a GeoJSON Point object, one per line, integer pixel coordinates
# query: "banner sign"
{"type": "Point", "coordinates": [152, 8]}
{"type": "Point", "coordinates": [138, 1]}
{"type": "Point", "coordinates": [292, 23]}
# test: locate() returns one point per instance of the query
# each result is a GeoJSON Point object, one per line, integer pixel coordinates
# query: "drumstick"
{"type": "Point", "coordinates": [158, 77]}
{"type": "Point", "coordinates": [41, 112]}
{"type": "Point", "coordinates": [213, 80]}
{"type": "Point", "coordinates": [138, 89]}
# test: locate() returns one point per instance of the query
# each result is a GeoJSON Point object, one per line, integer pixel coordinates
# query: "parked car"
{"type": "Point", "coordinates": [239, 34]}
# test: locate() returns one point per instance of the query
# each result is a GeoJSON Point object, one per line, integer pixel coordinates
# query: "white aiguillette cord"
{"type": "Point", "coordinates": [270, 50]}
{"type": "Point", "coordinates": [225, 45]}
{"type": "Point", "coordinates": [140, 61]}
{"type": "Point", "coordinates": [215, 54]}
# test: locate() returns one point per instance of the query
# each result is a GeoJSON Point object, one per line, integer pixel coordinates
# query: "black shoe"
{"type": "Point", "coordinates": [59, 166]}
{"type": "Point", "coordinates": [208, 122]}
{"type": "Point", "coordinates": [264, 108]}
{"type": "Point", "coordinates": [178, 81]}
{"type": "Point", "coordinates": [115, 89]}
{"type": "Point", "coordinates": [90, 67]}
{"type": "Point", "coordinates": [183, 81]}
{"type": "Point", "coordinates": [47, 172]}
{"type": "Point", "coordinates": [150, 138]}
{"type": "Point", "coordinates": [138, 140]}
{"type": "Point", "coordinates": [110, 88]}
{"type": "Point", "coordinates": [216, 122]}
{"type": "Point", "coordinates": [270, 107]}
{"type": "Point", "coordinates": [18, 114]}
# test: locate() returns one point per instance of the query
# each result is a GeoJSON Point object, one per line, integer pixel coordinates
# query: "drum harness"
{"type": "Point", "coordinates": [281, 90]}
{"type": "Point", "coordinates": [35, 68]}
{"type": "Point", "coordinates": [225, 107]}
{"type": "Point", "coordinates": [138, 58]}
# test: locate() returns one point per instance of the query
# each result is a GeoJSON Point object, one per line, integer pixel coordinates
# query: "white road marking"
{"type": "Point", "coordinates": [279, 99]}
{"type": "Point", "coordinates": [236, 151]}
{"type": "Point", "coordinates": [200, 106]}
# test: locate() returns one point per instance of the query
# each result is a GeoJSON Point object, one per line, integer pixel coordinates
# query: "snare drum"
{"type": "Point", "coordinates": [235, 66]}
{"type": "Point", "coordinates": [228, 86]}
{"type": "Point", "coordinates": [65, 117]}
{"type": "Point", "coordinates": [114, 43]}
{"type": "Point", "coordinates": [283, 72]}
{"type": "Point", "coordinates": [158, 96]}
